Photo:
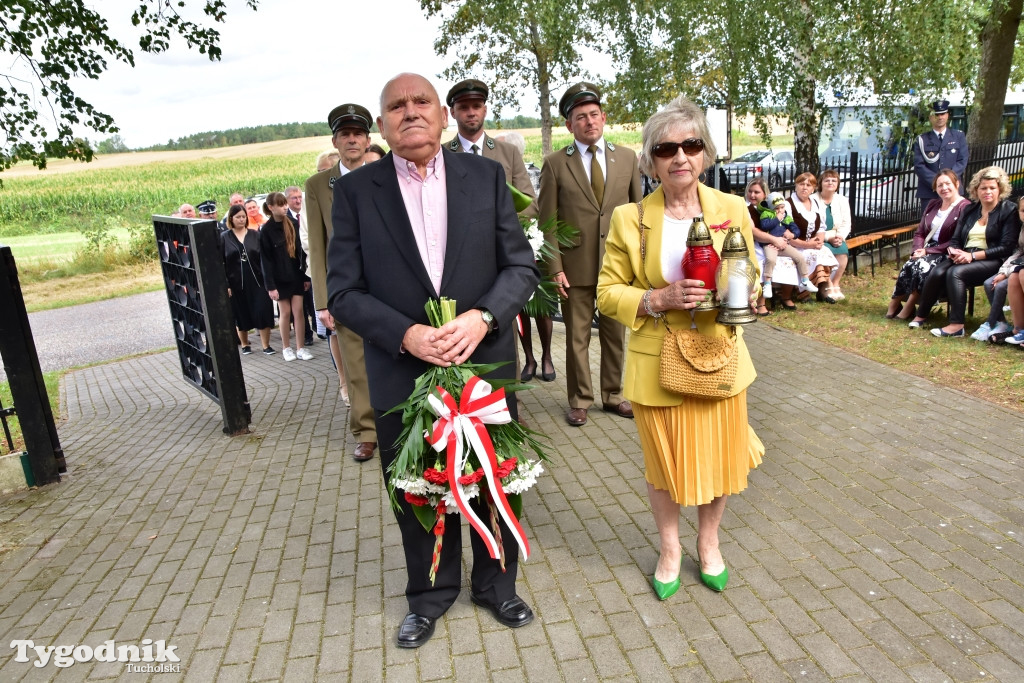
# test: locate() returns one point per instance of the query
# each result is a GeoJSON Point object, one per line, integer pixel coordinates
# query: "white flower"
{"type": "Point", "coordinates": [523, 477]}
{"type": "Point", "coordinates": [469, 492]}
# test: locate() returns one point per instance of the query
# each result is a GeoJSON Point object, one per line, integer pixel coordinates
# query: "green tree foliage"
{"type": "Point", "coordinates": [784, 59]}
{"type": "Point", "coordinates": [45, 44]}
{"type": "Point", "coordinates": [514, 45]}
{"type": "Point", "coordinates": [246, 136]}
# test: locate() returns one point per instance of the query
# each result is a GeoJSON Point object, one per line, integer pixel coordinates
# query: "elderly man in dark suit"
{"type": "Point", "coordinates": [941, 147]}
{"type": "Point", "coordinates": [419, 224]}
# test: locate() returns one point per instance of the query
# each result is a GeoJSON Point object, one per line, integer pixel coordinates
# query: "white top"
{"type": "Point", "coordinates": [585, 158]}
{"type": "Point", "coordinates": [467, 144]}
{"type": "Point", "coordinates": [937, 222]}
{"type": "Point", "coordinates": [673, 247]}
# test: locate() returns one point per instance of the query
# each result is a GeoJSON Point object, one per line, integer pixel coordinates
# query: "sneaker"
{"type": "Point", "coordinates": [1002, 328]}
{"type": "Point", "coordinates": [939, 332]}
{"type": "Point", "coordinates": [914, 325]}
{"type": "Point", "coordinates": [246, 350]}
{"type": "Point", "coordinates": [304, 354]}
{"type": "Point", "coordinates": [766, 291]}
{"type": "Point", "coordinates": [807, 286]}
{"type": "Point", "coordinates": [269, 350]}
{"type": "Point", "coordinates": [982, 333]}
{"type": "Point", "coordinates": [1016, 339]}
{"type": "Point", "coordinates": [288, 355]}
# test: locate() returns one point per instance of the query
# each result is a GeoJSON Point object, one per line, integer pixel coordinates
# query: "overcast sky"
{"type": "Point", "coordinates": [289, 61]}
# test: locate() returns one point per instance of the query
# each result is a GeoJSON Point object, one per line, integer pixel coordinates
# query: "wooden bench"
{"type": "Point", "coordinates": [894, 234]}
{"type": "Point", "coordinates": [855, 244]}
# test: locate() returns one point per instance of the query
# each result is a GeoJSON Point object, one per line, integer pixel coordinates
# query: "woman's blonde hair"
{"type": "Point", "coordinates": [990, 173]}
{"type": "Point", "coordinates": [679, 112]}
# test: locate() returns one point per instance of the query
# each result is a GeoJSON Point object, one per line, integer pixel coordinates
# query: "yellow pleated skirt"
{"type": "Point", "coordinates": [699, 450]}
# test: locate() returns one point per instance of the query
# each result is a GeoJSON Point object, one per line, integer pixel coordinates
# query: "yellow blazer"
{"type": "Point", "coordinates": [619, 290]}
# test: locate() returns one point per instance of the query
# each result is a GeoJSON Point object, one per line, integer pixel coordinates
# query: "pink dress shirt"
{"type": "Point", "coordinates": [426, 202]}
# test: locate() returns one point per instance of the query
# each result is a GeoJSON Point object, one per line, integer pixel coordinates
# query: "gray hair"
{"type": "Point", "coordinates": [514, 139]}
{"type": "Point", "coordinates": [679, 112]}
{"type": "Point", "coordinates": [331, 154]}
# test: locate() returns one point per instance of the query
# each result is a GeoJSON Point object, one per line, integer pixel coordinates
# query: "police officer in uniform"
{"type": "Point", "coordinates": [350, 124]}
{"type": "Point", "coordinates": [580, 185]}
{"type": "Point", "coordinates": [939, 148]}
{"type": "Point", "coordinates": [468, 104]}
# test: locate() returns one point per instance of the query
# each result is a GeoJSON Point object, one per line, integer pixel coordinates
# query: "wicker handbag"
{"type": "Point", "coordinates": [693, 364]}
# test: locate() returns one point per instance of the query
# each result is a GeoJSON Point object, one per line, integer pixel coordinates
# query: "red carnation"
{"type": "Point", "coordinates": [505, 468]}
{"type": "Point", "coordinates": [433, 476]}
{"type": "Point", "coordinates": [471, 478]}
{"type": "Point", "coordinates": [416, 500]}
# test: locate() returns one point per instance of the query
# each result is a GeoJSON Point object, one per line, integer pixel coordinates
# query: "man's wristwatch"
{"type": "Point", "coordinates": [489, 320]}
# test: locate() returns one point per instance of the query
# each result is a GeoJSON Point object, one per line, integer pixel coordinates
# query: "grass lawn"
{"type": "Point", "coordinates": [52, 382]}
{"type": "Point", "coordinates": [54, 247]}
{"type": "Point", "coordinates": [43, 295]}
{"type": "Point", "coordinates": [857, 324]}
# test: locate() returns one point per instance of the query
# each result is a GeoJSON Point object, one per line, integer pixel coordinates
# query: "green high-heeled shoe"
{"type": "Point", "coordinates": [715, 582]}
{"type": "Point", "coordinates": [666, 590]}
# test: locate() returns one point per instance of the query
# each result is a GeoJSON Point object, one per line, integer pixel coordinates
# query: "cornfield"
{"type": "Point", "coordinates": [79, 200]}
{"type": "Point", "coordinates": [84, 199]}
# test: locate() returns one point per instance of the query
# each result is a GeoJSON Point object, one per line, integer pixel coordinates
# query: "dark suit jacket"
{"type": "Point", "coordinates": [1001, 233]}
{"type": "Point", "coordinates": [952, 154]}
{"type": "Point", "coordinates": [377, 284]}
{"type": "Point", "coordinates": [511, 160]}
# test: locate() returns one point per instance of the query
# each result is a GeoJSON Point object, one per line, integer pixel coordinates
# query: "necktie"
{"type": "Point", "coordinates": [940, 138]}
{"type": "Point", "coordinates": [596, 177]}
{"type": "Point", "coordinates": [475, 150]}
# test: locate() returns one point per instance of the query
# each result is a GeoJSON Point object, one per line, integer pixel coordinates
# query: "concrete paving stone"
{"type": "Point", "coordinates": [237, 672]}
{"type": "Point", "coordinates": [305, 641]}
{"type": "Point", "coordinates": [853, 607]}
{"type": "Point", "coordinates": [242, 646]}
{"type": "Point", "coordinates": [335, 653]}
{"type": "Point", "coordinates": [1005, 613]}
{"type": "Point", "coordinates": [737, 635]}
{"type": "Point", "coordinates": [811, 597]}
{"type": "Point", "coordinates": [949, 659]}
{"type": "Point", "coordinates": [216, 631]}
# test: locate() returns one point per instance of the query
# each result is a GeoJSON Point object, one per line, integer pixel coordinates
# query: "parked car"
{"type": "Point", "coordinates": [776, 167]}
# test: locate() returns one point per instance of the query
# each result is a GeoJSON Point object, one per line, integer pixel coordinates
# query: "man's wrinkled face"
{"type": "Point", "coordinates": [412, 117]}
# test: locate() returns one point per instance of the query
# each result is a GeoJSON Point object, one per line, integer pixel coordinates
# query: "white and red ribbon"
{"type": "Point", "coordinates": [468, 420]}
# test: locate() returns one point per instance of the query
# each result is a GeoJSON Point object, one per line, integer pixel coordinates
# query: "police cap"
{"type": "Point", "coordinates": [349, 116]}
{"type": "Point", "coordinates": [207, 208]}
{"type": "Point", "coordinates": [581, 93]}
{"type": "Point", "coordinates": [940, 106]}
{"type": "Point", "coordinates": [469, 88]}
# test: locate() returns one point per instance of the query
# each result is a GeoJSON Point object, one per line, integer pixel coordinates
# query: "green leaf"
{"type": "Point", "coordinates": [427, 516]}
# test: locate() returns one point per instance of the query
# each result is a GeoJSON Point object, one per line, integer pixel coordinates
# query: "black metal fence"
{"type": "Point", "coordinates": [193, 266]}
{"type": "Point", "coordinates": [883, 190]}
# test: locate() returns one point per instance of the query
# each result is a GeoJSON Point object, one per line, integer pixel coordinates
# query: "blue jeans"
{"type": "Point", "coordinates": [996, 294]}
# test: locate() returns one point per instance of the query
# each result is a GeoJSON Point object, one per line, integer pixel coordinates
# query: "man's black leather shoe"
{"type": "Point", "coordinates": [513, 613]}
{"type": "Point", "coordinates": [415, 630]}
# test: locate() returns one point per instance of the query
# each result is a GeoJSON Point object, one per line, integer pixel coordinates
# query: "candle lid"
{"type": "Point", "coordinates": [699, 235]}
{"type": "Point", "coordinates": [734, 246]}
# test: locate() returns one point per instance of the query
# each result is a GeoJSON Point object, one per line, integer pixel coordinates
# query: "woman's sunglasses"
{"type": "Point", "coordinates": [667, 150]}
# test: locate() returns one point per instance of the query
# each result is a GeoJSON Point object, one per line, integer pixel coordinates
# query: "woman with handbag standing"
{"type": "Point", "coordinates": [243, 264]}
{"type": "Point", "coordinates": [697, 450]}
{"type": "Point", "coordinates": [985, 235]}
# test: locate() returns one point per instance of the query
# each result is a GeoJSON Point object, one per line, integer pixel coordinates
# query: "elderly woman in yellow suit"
{"type": "Point", "coordinates": [696, 451]}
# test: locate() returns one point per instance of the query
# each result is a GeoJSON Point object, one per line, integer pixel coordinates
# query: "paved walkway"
{"type": "Point", "coordinates": [880, 539]}
{"type": "Point", "coordinates": [91, 333]}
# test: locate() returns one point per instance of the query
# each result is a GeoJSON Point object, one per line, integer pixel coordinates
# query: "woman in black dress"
{"type": "Point", "coordinates": [284, 267]}
{"type": "Point", "coordinates": [244, 266]}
